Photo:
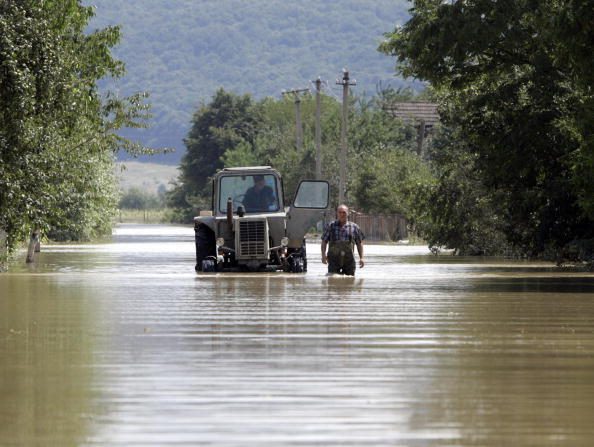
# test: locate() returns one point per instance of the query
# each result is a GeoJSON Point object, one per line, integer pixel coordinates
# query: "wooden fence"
{"type": "Point", "coordinates": [381, 227]}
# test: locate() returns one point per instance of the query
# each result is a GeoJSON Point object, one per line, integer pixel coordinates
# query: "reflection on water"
{"type": "Point", "coordinates": [46, 358]}
{"type": "Point", "coordinates": [123, 344]}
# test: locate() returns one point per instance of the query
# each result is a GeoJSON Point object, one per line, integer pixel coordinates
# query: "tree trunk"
{"type": "Point", "coordinates": [34, 245]}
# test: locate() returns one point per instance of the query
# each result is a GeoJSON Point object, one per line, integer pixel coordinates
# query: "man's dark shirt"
{"type": "Point", "coordinates": [255, 200]}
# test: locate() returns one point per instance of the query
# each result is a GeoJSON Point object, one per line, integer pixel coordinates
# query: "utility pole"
{"type": "Point", "coordinates": [346, 82]}
{"type": "Point", "coordinates": [318, 83]}
{"type": "Point", "coordinates": [298, 127]}
{"type": "Point", "coordinates": [421, 138]}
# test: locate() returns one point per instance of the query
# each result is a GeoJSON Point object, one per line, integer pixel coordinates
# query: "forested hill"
{"type": "Point", "coordinates": [181, 51]}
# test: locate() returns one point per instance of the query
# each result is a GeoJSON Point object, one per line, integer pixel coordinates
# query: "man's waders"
{"type": "Point", "coordinates": [341, 258]}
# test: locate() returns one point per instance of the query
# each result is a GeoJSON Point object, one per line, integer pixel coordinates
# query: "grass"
{"type": "Point", "coordinates": [155, 216]}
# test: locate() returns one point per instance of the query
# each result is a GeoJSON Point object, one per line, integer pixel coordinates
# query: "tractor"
{"type": "Point", "coordinates": [250, 228]}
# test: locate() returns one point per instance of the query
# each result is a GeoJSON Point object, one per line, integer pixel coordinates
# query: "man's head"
{"type": "Point", "coordinates": [259, 181]}
{"type": "Point", "coordinates": [342, 213]}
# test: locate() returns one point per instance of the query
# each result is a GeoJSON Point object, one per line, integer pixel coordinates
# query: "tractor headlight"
{"type": "Point", "coordinates": [284, 241]}
{"type": "Point", "coordinates": [220, 241]}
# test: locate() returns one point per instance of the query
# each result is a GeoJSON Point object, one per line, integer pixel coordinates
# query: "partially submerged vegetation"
{"type": "Point", "coordinates": [510, 171]}
{"type": "Point", "coordinates": [514, 82]}
{"type": "Point", "coordinates": [58, 134]}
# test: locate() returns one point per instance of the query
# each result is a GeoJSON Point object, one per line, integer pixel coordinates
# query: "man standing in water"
{"type": "Point", "coordinates": [342, 235]}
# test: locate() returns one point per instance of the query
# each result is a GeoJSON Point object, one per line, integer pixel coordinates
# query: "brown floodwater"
{"type": "Point", "coordinates": [122, 344]}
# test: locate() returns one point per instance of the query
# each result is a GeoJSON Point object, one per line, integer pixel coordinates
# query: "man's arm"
{"type": "Point", "coordinates": [360, 251]}
{"type": "Point", "coordinates": [324, 258]}
{"type": "Point", "coordinates": [248, 200]}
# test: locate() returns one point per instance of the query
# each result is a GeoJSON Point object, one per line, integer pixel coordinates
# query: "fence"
{"type": "Point", "coordinates": [381, 227]}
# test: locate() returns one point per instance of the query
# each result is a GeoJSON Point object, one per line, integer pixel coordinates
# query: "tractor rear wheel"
{"type": "Point", "coordinates": [205, 244]}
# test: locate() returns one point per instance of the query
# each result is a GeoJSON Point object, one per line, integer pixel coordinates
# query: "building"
{"type": "Point", "coordinates": [422, 115]}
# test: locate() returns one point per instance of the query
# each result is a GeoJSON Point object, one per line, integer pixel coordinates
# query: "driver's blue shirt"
{"type": "Point", "coordinates": [261, 200]}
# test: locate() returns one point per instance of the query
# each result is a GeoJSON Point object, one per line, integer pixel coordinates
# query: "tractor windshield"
{"type": "Point", "coordinates": [256, 193]}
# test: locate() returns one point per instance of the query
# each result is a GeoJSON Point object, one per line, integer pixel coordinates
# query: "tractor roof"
{"type": "Point", "coordinates": [249, 168]}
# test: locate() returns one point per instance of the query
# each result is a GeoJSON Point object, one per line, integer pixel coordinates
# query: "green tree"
{"type": "Point", "coordinates": [500, 70]}
{"type": "Point", "coordinates": [382, 164]}
{"type": "Point", "coordinates": [276, 144]}
{"type": "Point", "coordinates": [454, 209]}
{"type": "Point", "coordinates": [573, 30]}
{"type": "Point", "coordinates": [57, 133]}
{"type": "Point", "coordinates": [388, 183]}
{"type": "Point", "coordinates": [229, 121]}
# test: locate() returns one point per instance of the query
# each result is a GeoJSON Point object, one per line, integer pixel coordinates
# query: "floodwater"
{"type": "Point", "coordinates": [122, 344]}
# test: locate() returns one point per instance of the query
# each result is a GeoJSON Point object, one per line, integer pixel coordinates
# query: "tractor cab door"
{"type": "Point", "coordinates": [310, 204]}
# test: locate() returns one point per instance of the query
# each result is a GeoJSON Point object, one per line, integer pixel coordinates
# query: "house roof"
{"type": "Point", "coordinates": [414, 112]}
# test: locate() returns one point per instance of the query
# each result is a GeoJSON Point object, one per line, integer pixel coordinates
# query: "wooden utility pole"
{"type": "Point", "coordinates": [318, 83]}
{"type": "Point", "coordinates": [421, 139]}
{"type": "Point", "coordinates": [298, 127]}
{"type": "Point", "coordinates": [346, 82]}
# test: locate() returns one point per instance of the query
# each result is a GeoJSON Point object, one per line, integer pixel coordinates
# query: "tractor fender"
{"type": "Point", "coordinates": [209, 221]}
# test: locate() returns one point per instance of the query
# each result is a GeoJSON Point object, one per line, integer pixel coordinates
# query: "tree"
{"type": "Point", "coordinates": [454, 209]}
{"type": "Point", "coordinates": [374, 137]}
{"type": "Point", "coordinates": [382, 162]}
{"type": "Point", "coordinates": [387, 183]}
{"type": "Point", "coordinates": [573, 30]}
{"type": "Point", "coordinates": [57, 133]}
{"type": "Point", "coordinates": [501, 73]}
{"type": "Point", "coordinates": [276, 144]}
{"type": "Point", "coordinates": [227, 122]}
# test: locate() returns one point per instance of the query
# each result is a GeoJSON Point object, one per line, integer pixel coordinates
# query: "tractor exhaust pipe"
{"type": "Point", "coordinates": [230, 212]}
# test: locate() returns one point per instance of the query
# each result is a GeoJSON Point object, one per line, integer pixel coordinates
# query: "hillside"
{"type": "Point", "coordinates": [181, 51]}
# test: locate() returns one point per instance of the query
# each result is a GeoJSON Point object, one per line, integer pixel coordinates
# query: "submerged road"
{"type": "Point", "coordinates": [122, 344]}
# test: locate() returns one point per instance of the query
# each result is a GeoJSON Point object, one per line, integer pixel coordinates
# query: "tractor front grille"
{"type": "Point", "coordinates": [252, 238]}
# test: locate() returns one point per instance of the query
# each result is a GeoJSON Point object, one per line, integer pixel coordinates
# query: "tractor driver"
{"type": "Point", "coordinates": [258, 197]}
